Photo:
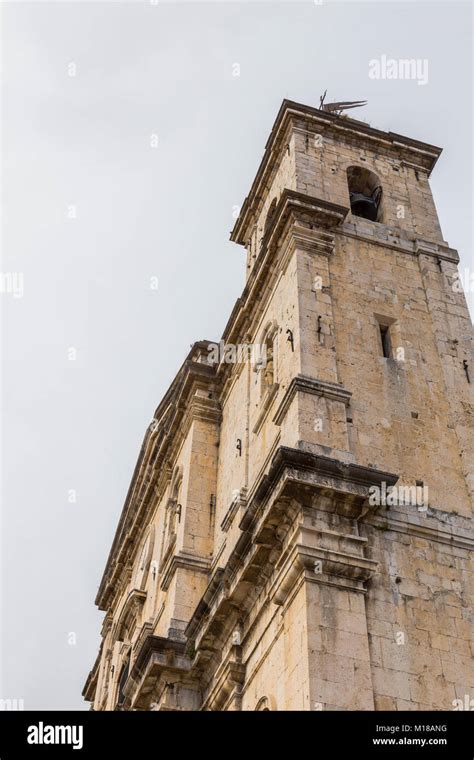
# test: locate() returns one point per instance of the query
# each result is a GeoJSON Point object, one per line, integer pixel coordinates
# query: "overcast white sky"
{"type": "Point", "coordinates": [84, 141]}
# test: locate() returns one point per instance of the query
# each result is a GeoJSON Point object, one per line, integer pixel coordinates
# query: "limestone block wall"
{"type": "Point", "coordinates": [338, 649]}
{"type": "Point", "coordinates": [398, 406]}
{"type": "Point", "coordinates": [196, 527]}
{"type": "Point", "coordinates": [322, 161]}
{"type": "Point", "coordinates": [247, 413]}
{"type": "Point", "coordinates": [419, 616]}
{"type": "Point", "coordinates": [186, 588]}
{"type": "Point", "coordinates": [316, 326]}
{"type": "Point", "coordinates": [323, 422]}
{"type": "Point", "coordinates": [276, 656]}
{"type": "Point", "coordinates": [283, 312]}
{"type": "Point", "coordinates": [404, 644]}
{"type": "Point", "coordinates": [454, 341]}
{"type": "Point", "coordinates": [232, 472]}
{"type": "Point", "coordinates": [179, 590]}
{"type": "Point", "coordinates": [155, 597]}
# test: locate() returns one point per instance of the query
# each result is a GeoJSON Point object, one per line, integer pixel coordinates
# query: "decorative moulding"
{"type": "Point", "coordinates": [302, 384]}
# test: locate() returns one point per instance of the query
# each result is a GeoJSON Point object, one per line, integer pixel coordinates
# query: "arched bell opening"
{"type": "Point", "coordinates": [365, 193]}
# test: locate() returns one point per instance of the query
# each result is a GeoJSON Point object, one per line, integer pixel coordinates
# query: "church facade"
{"type": "Point", "coordinates": [298, 530]}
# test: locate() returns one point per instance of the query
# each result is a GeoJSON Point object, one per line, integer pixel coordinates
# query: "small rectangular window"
{"type": "Point", "coordinates": [386, 342]}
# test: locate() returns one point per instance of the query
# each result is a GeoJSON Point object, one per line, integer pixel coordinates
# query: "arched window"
{"type": "Point", "coordinates": [365, 193]}
{"type": "Point", "coordinates": [172, 514]}
{"type": "Point", "coordinates": [142, 564]}
{"type": "Point", "coordinates": [121, 683]}
{"type": "Point", "coordinates": [263, 705]}
{"type": "Point", "coordinates": [270, 216]}
{"type": "Point", "coordinates": [268, 363]}
{"type": "Point", "coordinates": [269, 368]}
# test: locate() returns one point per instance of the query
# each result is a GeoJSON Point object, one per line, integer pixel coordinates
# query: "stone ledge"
{"type": "Point", "coordinates": [306, 469]}
{"type": "Point", "coordinates": [425, 527]}
{"type": "Point", "coordinates": [294, 207]}
{"type": "Point", "coordinates": [339, 569]}
{"type": "Point", "coordinates": [400, 244]}
{"type": "Point", "coordinates": [155, 656]}
{"type": "Point", "coordinates": [305, 384]}
{"type": "Point", "coordinates": [185, 560]}
{"type": "Point", "coordinates": [228, 679]}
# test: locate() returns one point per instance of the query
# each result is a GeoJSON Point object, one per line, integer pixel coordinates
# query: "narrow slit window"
{"type": "Point", "coordinates": [386, 343]}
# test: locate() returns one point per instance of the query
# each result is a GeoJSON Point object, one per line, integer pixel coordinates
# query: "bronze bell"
{"type": "Point", "coordinates": [364, 206]}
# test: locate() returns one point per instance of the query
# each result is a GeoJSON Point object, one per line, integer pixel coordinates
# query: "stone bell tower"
{"type": "Point", "coordinates": [301, 528]}
{"type": "Point", "coordinates": [375, 307]}
{"type": "Point", "coordinates": [380, 384]}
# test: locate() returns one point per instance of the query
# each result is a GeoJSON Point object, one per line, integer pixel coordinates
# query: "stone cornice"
{"type": "Point", "coordinates": [303, 384]}
{"type": "Point", "coordinates": [293, 475]}
{"type": "Point", "coordinates": [293, 468]}
{"type": "Point", "coordinates": [310, 559]}
{"type": "Point", "coordinates": [432, 525]}
{"type": "Point", "coordinates": [316, 212]}
{"type": "Point", "coordinates": [186, 560]}
{"type": "Point", "coordinates": [388, 237]}
{"type": "Point", "coordinates": [155, 655]}
{"type": "Point", "coordinates": [315, 241]}
{"type": "Point", "coordinates": [413, 152]}
{"type": "Point", "coordinates": [229, 677]}
{"type": "Point", "coordinates": [299, 212]}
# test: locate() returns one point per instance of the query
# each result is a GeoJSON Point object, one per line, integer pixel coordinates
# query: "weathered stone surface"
{"type": "Point", "coordinates": [251, 568]}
